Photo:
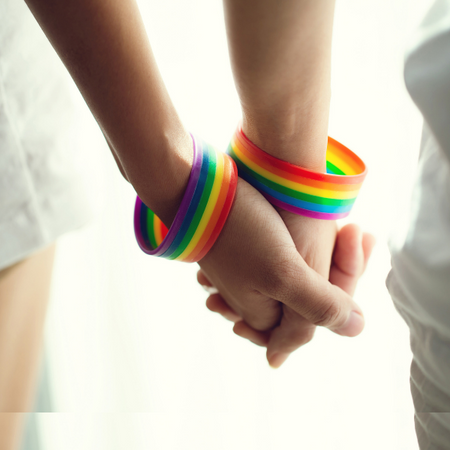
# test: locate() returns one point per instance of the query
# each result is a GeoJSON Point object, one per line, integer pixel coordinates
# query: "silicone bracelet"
{"type": "Point", "coordinates": [202, 214]}
{"type": "Point", "coordinates": [327, 196]}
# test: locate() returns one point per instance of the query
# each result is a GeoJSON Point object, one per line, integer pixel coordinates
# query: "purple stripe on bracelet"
{"type": "Point", "coordinates": [190, 189]}
{"type": "Point", "coordinates": [305, 212]}
{"type": "Point", "coordinates": [137, 218]}
{"type": "Point", "coordinates": [192, 183]}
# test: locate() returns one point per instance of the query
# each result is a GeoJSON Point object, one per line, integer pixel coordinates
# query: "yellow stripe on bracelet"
{"type": "Point", "coordinates": [215, 191]}
{"type": "Point", "coordinates": [202, 213]}
{"type": "Point", "coordinates": [327, 196]}
{"type": "Point", "coordinates": [291, 184]}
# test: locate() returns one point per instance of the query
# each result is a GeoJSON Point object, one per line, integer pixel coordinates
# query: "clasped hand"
{"type": "Point", "coordinates": [279, 275]}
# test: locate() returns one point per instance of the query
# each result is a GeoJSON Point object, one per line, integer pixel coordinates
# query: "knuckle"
{"type": "Point", "coordinates": [261, 323]}
{"type": "Point", "coordinates": [308, 336]}
{"type": "Point", "coordinates": [326, 314]}
{"type": "Point", "coordinates": [258, 311]}
{"type": "Point", "coordinates": [262, 314]}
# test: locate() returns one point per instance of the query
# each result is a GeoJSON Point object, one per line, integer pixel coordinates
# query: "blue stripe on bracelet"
{"type": "Point", "coordinates": [287, 199]}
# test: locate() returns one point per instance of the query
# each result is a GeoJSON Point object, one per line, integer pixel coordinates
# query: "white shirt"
{"type": "Point", "coordinates": [39, 192]}
{"type": "Point", "coordinates": [419, 281]}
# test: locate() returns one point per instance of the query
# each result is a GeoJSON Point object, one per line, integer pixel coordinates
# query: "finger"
{"type": "Point", "coordinates": [351, 254]}
{"type": "Point", "coordinates": [348, 252]}
{"type": "Point", "coordinates": [368, 244]}
{"type": "Point", "coordinates": [216, 303]}
{"type": "Point", "coordinates": [293, 332]}
{"type": "Point", "coordinates": [313, 297]}
{"type": "Point", "coordinates": [206, 284]}
{"type": "Point", "coordinates": [348, 258]}
{"type": "Point", "coordinates": [260, 338]}
{"type": "Point", "coordinates": [203, 279]}
{"type": "Point", "coordinates": [256, 310]}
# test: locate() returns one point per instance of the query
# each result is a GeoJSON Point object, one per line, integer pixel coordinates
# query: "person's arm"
{"type": "Point", "coordinates": [104, 46]}
{"type": "Point", "coordinates": [280, 53]}
{"type": "Point", "coordinates": [281, 57]}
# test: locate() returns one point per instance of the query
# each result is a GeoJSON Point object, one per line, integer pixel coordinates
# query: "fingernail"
{"type": "Point", "coordinates": [277, 359]}
{"type": "Point", "coordinates": [210, 289]}
{"type": "Point", "coordinates": [353, 326]}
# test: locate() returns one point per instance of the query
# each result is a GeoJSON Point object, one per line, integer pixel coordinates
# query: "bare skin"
{"type": "Point", "coordinates": [280, 54]}
{"type": "Point", "coordinates": [24, 293]}
{"type": "Point", "coordinates": [281, 59]}
{"type": "Point", "coordinates": [350, 257]}
{"type": "Point", "coordinates": [283, 267]}
{"type": "Point", "coordinates": [106, 50]}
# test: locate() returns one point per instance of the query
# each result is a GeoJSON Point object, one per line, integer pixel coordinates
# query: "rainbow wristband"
{"type": "Point", "coordinates": [202, 214]}
{"type": "Point", "coordinates": [328, 196]}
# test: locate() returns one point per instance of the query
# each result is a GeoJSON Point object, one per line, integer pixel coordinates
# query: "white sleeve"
{"type": "Point", "coordinates": [419, 284]}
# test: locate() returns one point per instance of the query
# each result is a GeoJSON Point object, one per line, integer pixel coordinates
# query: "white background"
{"type": "Point", "coordinates": [130, 336]}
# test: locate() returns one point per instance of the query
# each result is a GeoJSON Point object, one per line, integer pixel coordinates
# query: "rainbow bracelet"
{"type": "Point", "coordinates": [202, 214]}
{"type": "Point", "coordinates": [328, 196]}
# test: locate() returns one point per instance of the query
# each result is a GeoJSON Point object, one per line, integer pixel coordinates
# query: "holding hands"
{"type": "Point", "coordinates": [296, 321]}
{"type": "Point", "coordinates": [271, 274]}
{"type": "Point", "coordinates": [278, 274]}
{"type": "Point", "coordinates": [295, 274]}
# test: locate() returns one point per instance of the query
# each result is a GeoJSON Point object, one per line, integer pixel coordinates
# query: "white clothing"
{"type": "Point", "coordinates": [39, 193]}
{"type": "Point", "coordinates": [419, 281]}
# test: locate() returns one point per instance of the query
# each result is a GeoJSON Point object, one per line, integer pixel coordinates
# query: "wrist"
{"type": "Point", "coordinates": [161, 182]}
{"type": "Point", "coordinates": [201, 214]}
{"type": "Point", "coordinates": [296, 135]}
{"type": "Point", "coordinates": [327, 195]}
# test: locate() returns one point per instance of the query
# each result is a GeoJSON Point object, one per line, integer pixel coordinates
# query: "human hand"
{"type": "Point", "coordinates": [351, 254]}
{"type": "Point", "coordinates": [314, 239]}
{"type": "Point", "coordinates": [257, 269]}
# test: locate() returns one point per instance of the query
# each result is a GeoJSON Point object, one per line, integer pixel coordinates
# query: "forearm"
{"type": "Point", "coordinates": [280, 53]}
{"type": "Point", "coordinates": [105, 48]}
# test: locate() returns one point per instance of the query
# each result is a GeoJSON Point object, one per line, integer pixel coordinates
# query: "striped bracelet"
{"type": "Point", "coordinates": [202, 214]}
{"type": "Point", "coordinates": [328, 196]}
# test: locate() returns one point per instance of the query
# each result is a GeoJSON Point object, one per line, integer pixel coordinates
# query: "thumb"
{"type": "Point", "coordinates": [316, 299]}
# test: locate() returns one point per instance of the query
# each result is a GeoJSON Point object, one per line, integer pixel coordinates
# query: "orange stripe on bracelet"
{"type": "Point", "coordinates": [202, 213]}
{"type": "Point", "coordinates": [328, 196]}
